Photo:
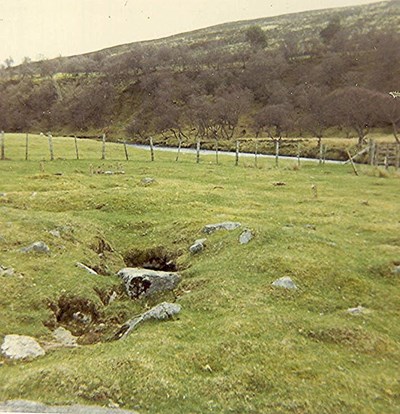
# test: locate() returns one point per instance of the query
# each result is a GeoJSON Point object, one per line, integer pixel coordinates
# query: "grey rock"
{"type": "Point", "coordinates": [147, 181]}
{"type": "Point", "coordinates": [23, 406]}
{"type": "Point", "coordinates": [65, 337]}
{"type": "Point", "coordinates": [145, 282]}
{"type": "Point", "coordinates": [285, 282]}
{"type": "Point", "coordinates": [21, 347]}
{"type": "Point", "coordinates": [160, 312]}
{"type": "Point", "coordinates": [197, 246]}
{"type": "Point", "coordinates": [87, 268]}
{"type": "Point", "coordinates": [227, 225]}
{"type": "Point", "coordinates": [359, 310]}
{"type": "Point", "coordinates": [310, 227]}
{"type": "Point", "coordinates": [37, 247]}
{"type": "Point", "coordinates": [3, 194]}
{"type": "Point", "coordinates": [396, 270]}
{"type": "Point", "coordinates": [246, 236]}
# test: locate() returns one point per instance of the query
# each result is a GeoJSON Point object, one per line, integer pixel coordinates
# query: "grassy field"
{"type": "Point", "coordinates": [239, 345]}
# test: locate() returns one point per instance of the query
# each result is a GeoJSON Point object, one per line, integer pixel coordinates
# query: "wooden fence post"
{"type": "Point", "coordinates": [276, 152]}
{"type": "Point", "coordinates": [198, 151]}
{"type": "Point", "coordinates": [237, 153]}
{"type": "Point", "coordinates": [76, 147]}
{"type": "Point", "coordinates": [126, 151]}
{"type": "Point", "coordinates": [321, 150]}
{"type": "Point", "coordinates": [103, 151]}
{"type": "Point", "coordinates": [50, 137]}
{"type": "Point", "coordinates": [216, 150]}
{"type": "Point", "coordinates": [151, 149]}
{"type": "Point", "coordinates": [179, 148]}
{"type": "Point", "coordinates": [397, 162]}
{"type": "Point", "coordinates": [26, 147]}
{"type": "Point", "coordinates": [3, 155]}
{"type": "Point", "coordinates": [352, 163]}
{"type": "Point", "coordinates": [298, 154]}
{"type": "Point", "coordinates": [255, 154]}
{"type": "Point", "coordinates": [324, 154]}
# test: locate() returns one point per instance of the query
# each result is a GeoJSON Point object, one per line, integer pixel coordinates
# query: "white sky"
{"type": "Point", "coordinates": [49, 28]}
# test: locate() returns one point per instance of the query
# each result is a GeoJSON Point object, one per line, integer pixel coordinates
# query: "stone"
{"type": "Point", "coordinates": [21, 347]}
{"type": "Point", "coordinates": [359, 310]}
{"type": "Point", "coordinates": [246, 236]}
{"type": "Point", "coordinates": [3, 194]}
{"type": "Point", "coordinates": [55, 233]}
{"type": "Point", "coordinates": [161, 312]}
{"type": "Point", "coordinates": [147, 181]}
{"type": "Point", "coordinates": [37, 247]}
{"type": "Point", "coordinates": [197, 246]}
{"type": "Point", "coordinates": [82, 318]}
{"type": "Point", "coordinates": [285, 282]}
{"type": "Point", "coordinates": [227, 225]}
{"type": "Point", "coordinates": [396, 270]}
{"type": "Point", "coordinates": [112, 297]}
{"type": "Point", "coordinates": [141, 282]}
{"type": "Point", "coordinates": [310, 227]}
{"type": "Point", "coordinates": [6, 271]}
{"type": "Point", "coordinates": [65, 337]}
{"type": "Point", "coordinates": [87, 268]}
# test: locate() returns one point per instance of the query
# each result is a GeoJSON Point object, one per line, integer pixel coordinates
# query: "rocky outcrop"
{"type": "Point", "coordinates": [160, 312]}
{"type": "Point", "coordinates": [145, 282]}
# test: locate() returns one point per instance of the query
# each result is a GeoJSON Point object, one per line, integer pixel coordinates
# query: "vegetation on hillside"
{"type": "Point", "coordinates": [239, 345]}
{"type": "Point", "coordinates": [300, 74]}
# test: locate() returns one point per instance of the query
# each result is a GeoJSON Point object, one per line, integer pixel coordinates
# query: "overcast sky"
{"type": "Point", "coordinates": [49, 28]}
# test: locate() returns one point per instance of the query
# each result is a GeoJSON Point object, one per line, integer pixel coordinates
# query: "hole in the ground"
{"type": "Point", "coordinates": [156, 258]}
{"type": "Point", "coordinates": [80, 316]}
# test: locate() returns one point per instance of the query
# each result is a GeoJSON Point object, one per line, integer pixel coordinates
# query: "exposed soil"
{"type": "Point", "coordinates": [155, 258]}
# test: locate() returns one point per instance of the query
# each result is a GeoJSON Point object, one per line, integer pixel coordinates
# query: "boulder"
{"type": "Point", "coordinates": [246, 236]}
{"type": "Point", "coordinates": [145, 282]}
{"type": "Point", "coordinates": [37, 247]}
{"type": "Point", "coordinates": [285, 282]}
{"type": "Point", "coordinates": [160, 312]}
{"type": "Point", "coordinates": [197, 246]}
{"type": "Point", "coordinates": [55, 233]}
{"type": "Point", "coordinates": [227, 225]}
{"type": "Point", "coordinates": [21, 347]}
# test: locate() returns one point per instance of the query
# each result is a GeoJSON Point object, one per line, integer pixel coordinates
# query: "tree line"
{"type": "Point", "coordinates": [214, 90]}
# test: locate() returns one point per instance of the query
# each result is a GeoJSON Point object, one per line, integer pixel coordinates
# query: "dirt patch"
{"type": "Point", "coordinates": [79, 315]}
{"type": "Point", "coordinates": [155, 258]}
{"type": "Point", "coordinates": [100, 246]}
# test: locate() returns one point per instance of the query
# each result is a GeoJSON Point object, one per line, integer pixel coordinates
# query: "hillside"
{"type": "Point", "coordinates": [240, 344]}
{"type": "Point", "coordinates": [291, 75]}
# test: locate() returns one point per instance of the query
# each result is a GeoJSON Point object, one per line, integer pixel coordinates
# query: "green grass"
{"type": "Point", "coordinates": [239, 345]}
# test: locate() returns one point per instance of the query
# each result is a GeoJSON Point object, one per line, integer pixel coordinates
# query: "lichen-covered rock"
{"type": "Point", "coordinates": [197, 246]}
{"type": "Point", "coordinates": [37, 247]}
{"type": "Point", "coordinates": [145, 282]}
{"type": "Point", "coordinates": [21, 347]}
{"type": "Point", "coordinates": [246, 236]}
{"type": "Point", "coordinates": [160, 312]}
{"type": "Point", "coordinates": [227, 225]}
{"type": "Point", "coordinates": [285, 282]}
{"type": "Point", "coordinates": [65, 337]}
